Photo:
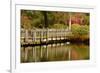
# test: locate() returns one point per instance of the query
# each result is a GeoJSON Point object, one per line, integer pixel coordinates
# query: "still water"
{"type": "Point", "coordinates": [55, 52]}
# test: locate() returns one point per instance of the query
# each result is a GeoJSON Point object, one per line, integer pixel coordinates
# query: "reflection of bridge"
{"type": "Point", "coordinates": [46, 53]}
{"type": "Point", "coordinates": [44, 35]}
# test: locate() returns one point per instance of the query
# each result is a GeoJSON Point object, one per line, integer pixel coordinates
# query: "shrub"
{"type": "Point", "coordinates": [59, 26]}
{"type": "Point", "coordinates": [80, 29]}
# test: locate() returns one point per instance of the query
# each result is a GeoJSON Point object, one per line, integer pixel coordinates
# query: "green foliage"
{"type": "Point", "coordinates": [87, 19]}
{"type": "Point", "coordinates": [51, 19]}
{"type": "Point", "coordinates": [80, 29]}
{"type": "Point", "coordinates": [59, 26]}
{"type": "Point", "coordinates": [35, 19]}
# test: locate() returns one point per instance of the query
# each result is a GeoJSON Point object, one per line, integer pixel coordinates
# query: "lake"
{"type": "Point", "coordinates": [55, 52]}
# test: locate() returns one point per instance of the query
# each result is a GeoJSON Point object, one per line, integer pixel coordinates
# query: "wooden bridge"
{"type": "Point", "coordinates": [44, 35]}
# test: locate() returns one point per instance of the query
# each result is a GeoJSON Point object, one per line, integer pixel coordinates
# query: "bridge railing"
{"type": "Point", "coordinates": [43, 34]}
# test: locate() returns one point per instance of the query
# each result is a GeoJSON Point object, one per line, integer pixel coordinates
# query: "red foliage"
{"type": "Point", "coordinates": [77, 19]}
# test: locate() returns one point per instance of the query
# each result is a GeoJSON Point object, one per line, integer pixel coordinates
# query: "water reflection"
{"type": "Point", "coordinates": [55, 52]}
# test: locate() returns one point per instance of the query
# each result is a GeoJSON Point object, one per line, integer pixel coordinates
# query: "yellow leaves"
{"type": "Point", "coordinates": [25, 22]}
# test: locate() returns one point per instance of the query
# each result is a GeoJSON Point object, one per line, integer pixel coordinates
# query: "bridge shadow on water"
{"type": "Point", "coordinates": [64, 41]}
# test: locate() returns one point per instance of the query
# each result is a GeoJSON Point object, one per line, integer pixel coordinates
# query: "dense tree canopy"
{"type": "Point", "coordinates": [31, 19]}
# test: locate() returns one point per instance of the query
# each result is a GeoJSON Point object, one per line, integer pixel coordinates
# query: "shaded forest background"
{"type": "Point", "coordinates": [31, 19]}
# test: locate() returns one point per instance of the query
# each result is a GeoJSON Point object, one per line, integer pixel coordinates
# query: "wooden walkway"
{"type": "Point", "coordinates": [44, 35]}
